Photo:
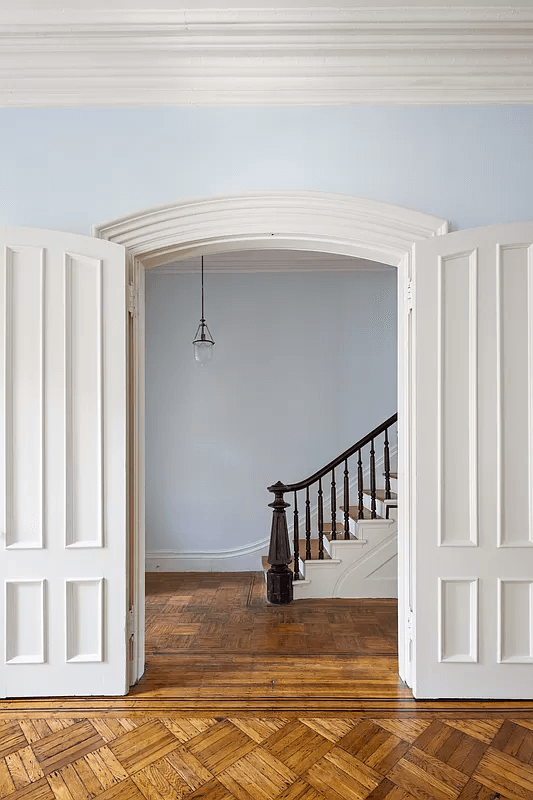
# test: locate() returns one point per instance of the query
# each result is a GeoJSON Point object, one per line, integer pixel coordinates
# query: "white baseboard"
{"type": "Point", "coordinates": [239, 559]}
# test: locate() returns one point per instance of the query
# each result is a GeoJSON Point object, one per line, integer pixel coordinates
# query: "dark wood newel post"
{"type": "Point", "coordinates": [279, 576]}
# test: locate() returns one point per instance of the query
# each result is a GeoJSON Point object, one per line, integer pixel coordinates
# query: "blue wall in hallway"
{"type": "Point", "coordinates": [70, 168]}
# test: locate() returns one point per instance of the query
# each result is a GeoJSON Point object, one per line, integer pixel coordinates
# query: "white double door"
{"type": "Point", "coordinates": [473, 501]}
{"type": "Point", "coordinates": [63, 464]}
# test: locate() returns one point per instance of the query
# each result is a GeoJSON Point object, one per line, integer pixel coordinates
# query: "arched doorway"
{"type": "Point", "coordinates": [312, 221]}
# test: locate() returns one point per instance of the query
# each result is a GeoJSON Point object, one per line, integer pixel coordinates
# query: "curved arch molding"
{"type": "Point", "coordinates": [318, 221]}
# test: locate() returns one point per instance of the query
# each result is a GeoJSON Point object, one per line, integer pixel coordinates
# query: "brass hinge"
{"type": "Point", "coordinates": [130, 622]}
{"type": "Point", "coordinates": [133, 297]}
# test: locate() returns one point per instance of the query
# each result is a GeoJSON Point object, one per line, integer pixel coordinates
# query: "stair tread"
{"type": "Point", "coordinates": [341, 538]}
{"type": "Point", "coordinates": [380, 495]}
{"type": "Point", "coordinates": [353, 511]}
{"type": "Point", "coordinates": [391, 475]}
{"type": "Point", "coordinates": [314, 550]}
{"type": "Point", "coordinates": [339, 527]}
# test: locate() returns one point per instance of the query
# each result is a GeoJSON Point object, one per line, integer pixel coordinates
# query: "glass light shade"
{"type": "Point", "coordinates": [203, 352]}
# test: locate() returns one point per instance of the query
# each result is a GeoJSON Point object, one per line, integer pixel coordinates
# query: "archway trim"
{"type": "Point", "coordinates": [298, 220]}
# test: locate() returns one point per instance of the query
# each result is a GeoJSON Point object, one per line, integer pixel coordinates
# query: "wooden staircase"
{"type": "Point", "coordinates": [365, 565]}
{"type": "Point", "coordinates": [354, 555]}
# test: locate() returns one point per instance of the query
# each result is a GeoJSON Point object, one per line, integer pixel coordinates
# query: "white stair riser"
{"type": "Point", "coordinates": [350, 571]}
{"type": "Point", "coordinates": [342, 549]}
{"type": "Point", "coordinates": [381, 507]}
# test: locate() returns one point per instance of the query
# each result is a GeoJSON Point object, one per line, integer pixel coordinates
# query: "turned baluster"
{"type": "Point", "coordinates": [361, 513]}
{"type": "Point", "coordinates": [296, 540]}
{"type": "Point", "coordinates": [346, 501]}
{"type": "Point", "coordinates": [373, 514]}
{"type": "Point", "coordinates": [386, 464]}
{"type": "Point", "coordinates": [320, 520]}
{"type": "Point", "coordinates": [333, 505]}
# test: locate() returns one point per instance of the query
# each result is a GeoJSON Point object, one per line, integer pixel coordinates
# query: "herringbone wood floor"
{"type": "Point", "coordinates": [381, 745]}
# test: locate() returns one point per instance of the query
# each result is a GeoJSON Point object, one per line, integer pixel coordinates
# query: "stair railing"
{"type": "Point", "coordinates": [279, 576]}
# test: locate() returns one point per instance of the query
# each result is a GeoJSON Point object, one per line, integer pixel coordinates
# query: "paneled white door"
{"type": "Point", "coordinates": [473, 501]}
{"type": "Point", "coordinates": [62, 464]}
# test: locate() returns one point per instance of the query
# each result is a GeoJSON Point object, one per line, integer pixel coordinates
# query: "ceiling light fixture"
{"type": "Point", "coordinates": [203, 341]}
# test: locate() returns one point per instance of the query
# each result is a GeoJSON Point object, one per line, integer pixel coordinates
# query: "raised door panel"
{"type": "Point", "coordinates": [63, 464]}
{"type": "Point", "coordinates": [473, 625]}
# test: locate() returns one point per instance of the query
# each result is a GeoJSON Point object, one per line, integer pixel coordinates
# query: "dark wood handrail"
{"type": "Point", "coordinates": [280, 576]}
{"type": "Point", "coordinates": [294, 487]}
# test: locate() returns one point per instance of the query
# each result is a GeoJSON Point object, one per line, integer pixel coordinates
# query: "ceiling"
{"type": "Point", "coordinates": [148, 53]}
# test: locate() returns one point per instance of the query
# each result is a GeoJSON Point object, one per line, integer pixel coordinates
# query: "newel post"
{"type": "Point", "coordinates": [279, 576]}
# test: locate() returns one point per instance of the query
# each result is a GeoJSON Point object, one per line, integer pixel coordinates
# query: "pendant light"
{"type": "Point", "coordinates": [203, 341]}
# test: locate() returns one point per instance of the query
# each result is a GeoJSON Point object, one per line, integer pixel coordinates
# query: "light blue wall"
{"type": "Point", "coordinates": [70, 168]}
{"type": "Point", "coordinates": [304, 365]}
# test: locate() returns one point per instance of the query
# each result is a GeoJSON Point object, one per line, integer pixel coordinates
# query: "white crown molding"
{"type": "Point", "coordinates": [316, 221]}
{"type": "Point", "coordinates": [279, 56]}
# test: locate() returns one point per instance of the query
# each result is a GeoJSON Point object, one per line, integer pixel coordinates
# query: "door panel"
{"type": "Point", "coordinates": [62, 464]}
{"type": "Point", "coordinates": [473, 317]}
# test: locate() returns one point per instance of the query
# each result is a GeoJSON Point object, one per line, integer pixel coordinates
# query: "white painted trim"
{"type": "Point", "coordinates": [324, 222]}
{"type": "Point", "coordinates": [499, 394]}
{"type": "Point", "coordinates": [370, 55]}
{"type": "Point", "coordinates": [530, 387]}
{"type": "Point", "coordinates": [71, 621]}
{"type": "Point", "coordinates": [526, 659]}
{"type": "Point", "coordinates": [136, 278]}
{"type": "Point", "coordinates": [234, 560]}
{"type": "Point", "coordinates": [473, 622]}
{"type": "Point", "coordinates": [499, 398]}
{"type": "Point", "coordinates": [320, 222]}
{"type": "Point", "coordinates": [472, 541]}
{"type": "Point", "coordinates": [271, 261]}
{"type": "Point", "coordinates": [11, 621]}
{"type": "Point", "coordinates": [70, 514]}
{"type": "Point", "coordinates": [387, 549]}
{"type": "Point", "coordinates": [472, 396]}
{"type": "Point", "coordinates": [9, 451]}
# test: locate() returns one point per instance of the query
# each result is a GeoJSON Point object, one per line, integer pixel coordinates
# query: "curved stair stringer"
{"type": "Point", "coordinates": [374, 574]}
{"type": "Point", "coordinates": [363, 567]}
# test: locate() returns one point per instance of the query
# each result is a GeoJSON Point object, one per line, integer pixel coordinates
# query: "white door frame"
{"type": "Point", "coordinates": [312, 221]}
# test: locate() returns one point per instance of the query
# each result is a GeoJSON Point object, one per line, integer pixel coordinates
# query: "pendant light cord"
{"type": "Point", "coordinates": [202, 329]}
{"type": "Point", "coordinates": [203, 318]}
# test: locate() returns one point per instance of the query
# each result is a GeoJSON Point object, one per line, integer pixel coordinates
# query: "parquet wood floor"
{"type": "Point", "coordinates": [213, 636]}
{"type": "Point", "coordinates": [380, 745]}
{"type": "Point", "coordinates": [279, 757]}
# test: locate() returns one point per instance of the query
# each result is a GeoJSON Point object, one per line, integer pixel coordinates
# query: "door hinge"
{"type": "Point", "coordinates": [409, 295]}
{"type": "Point", "coordinates": [130, 623]}
{"type": "Point", "coordinates": [133, 297]}
{"type": "Point", "coordinates": [409, 631]}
